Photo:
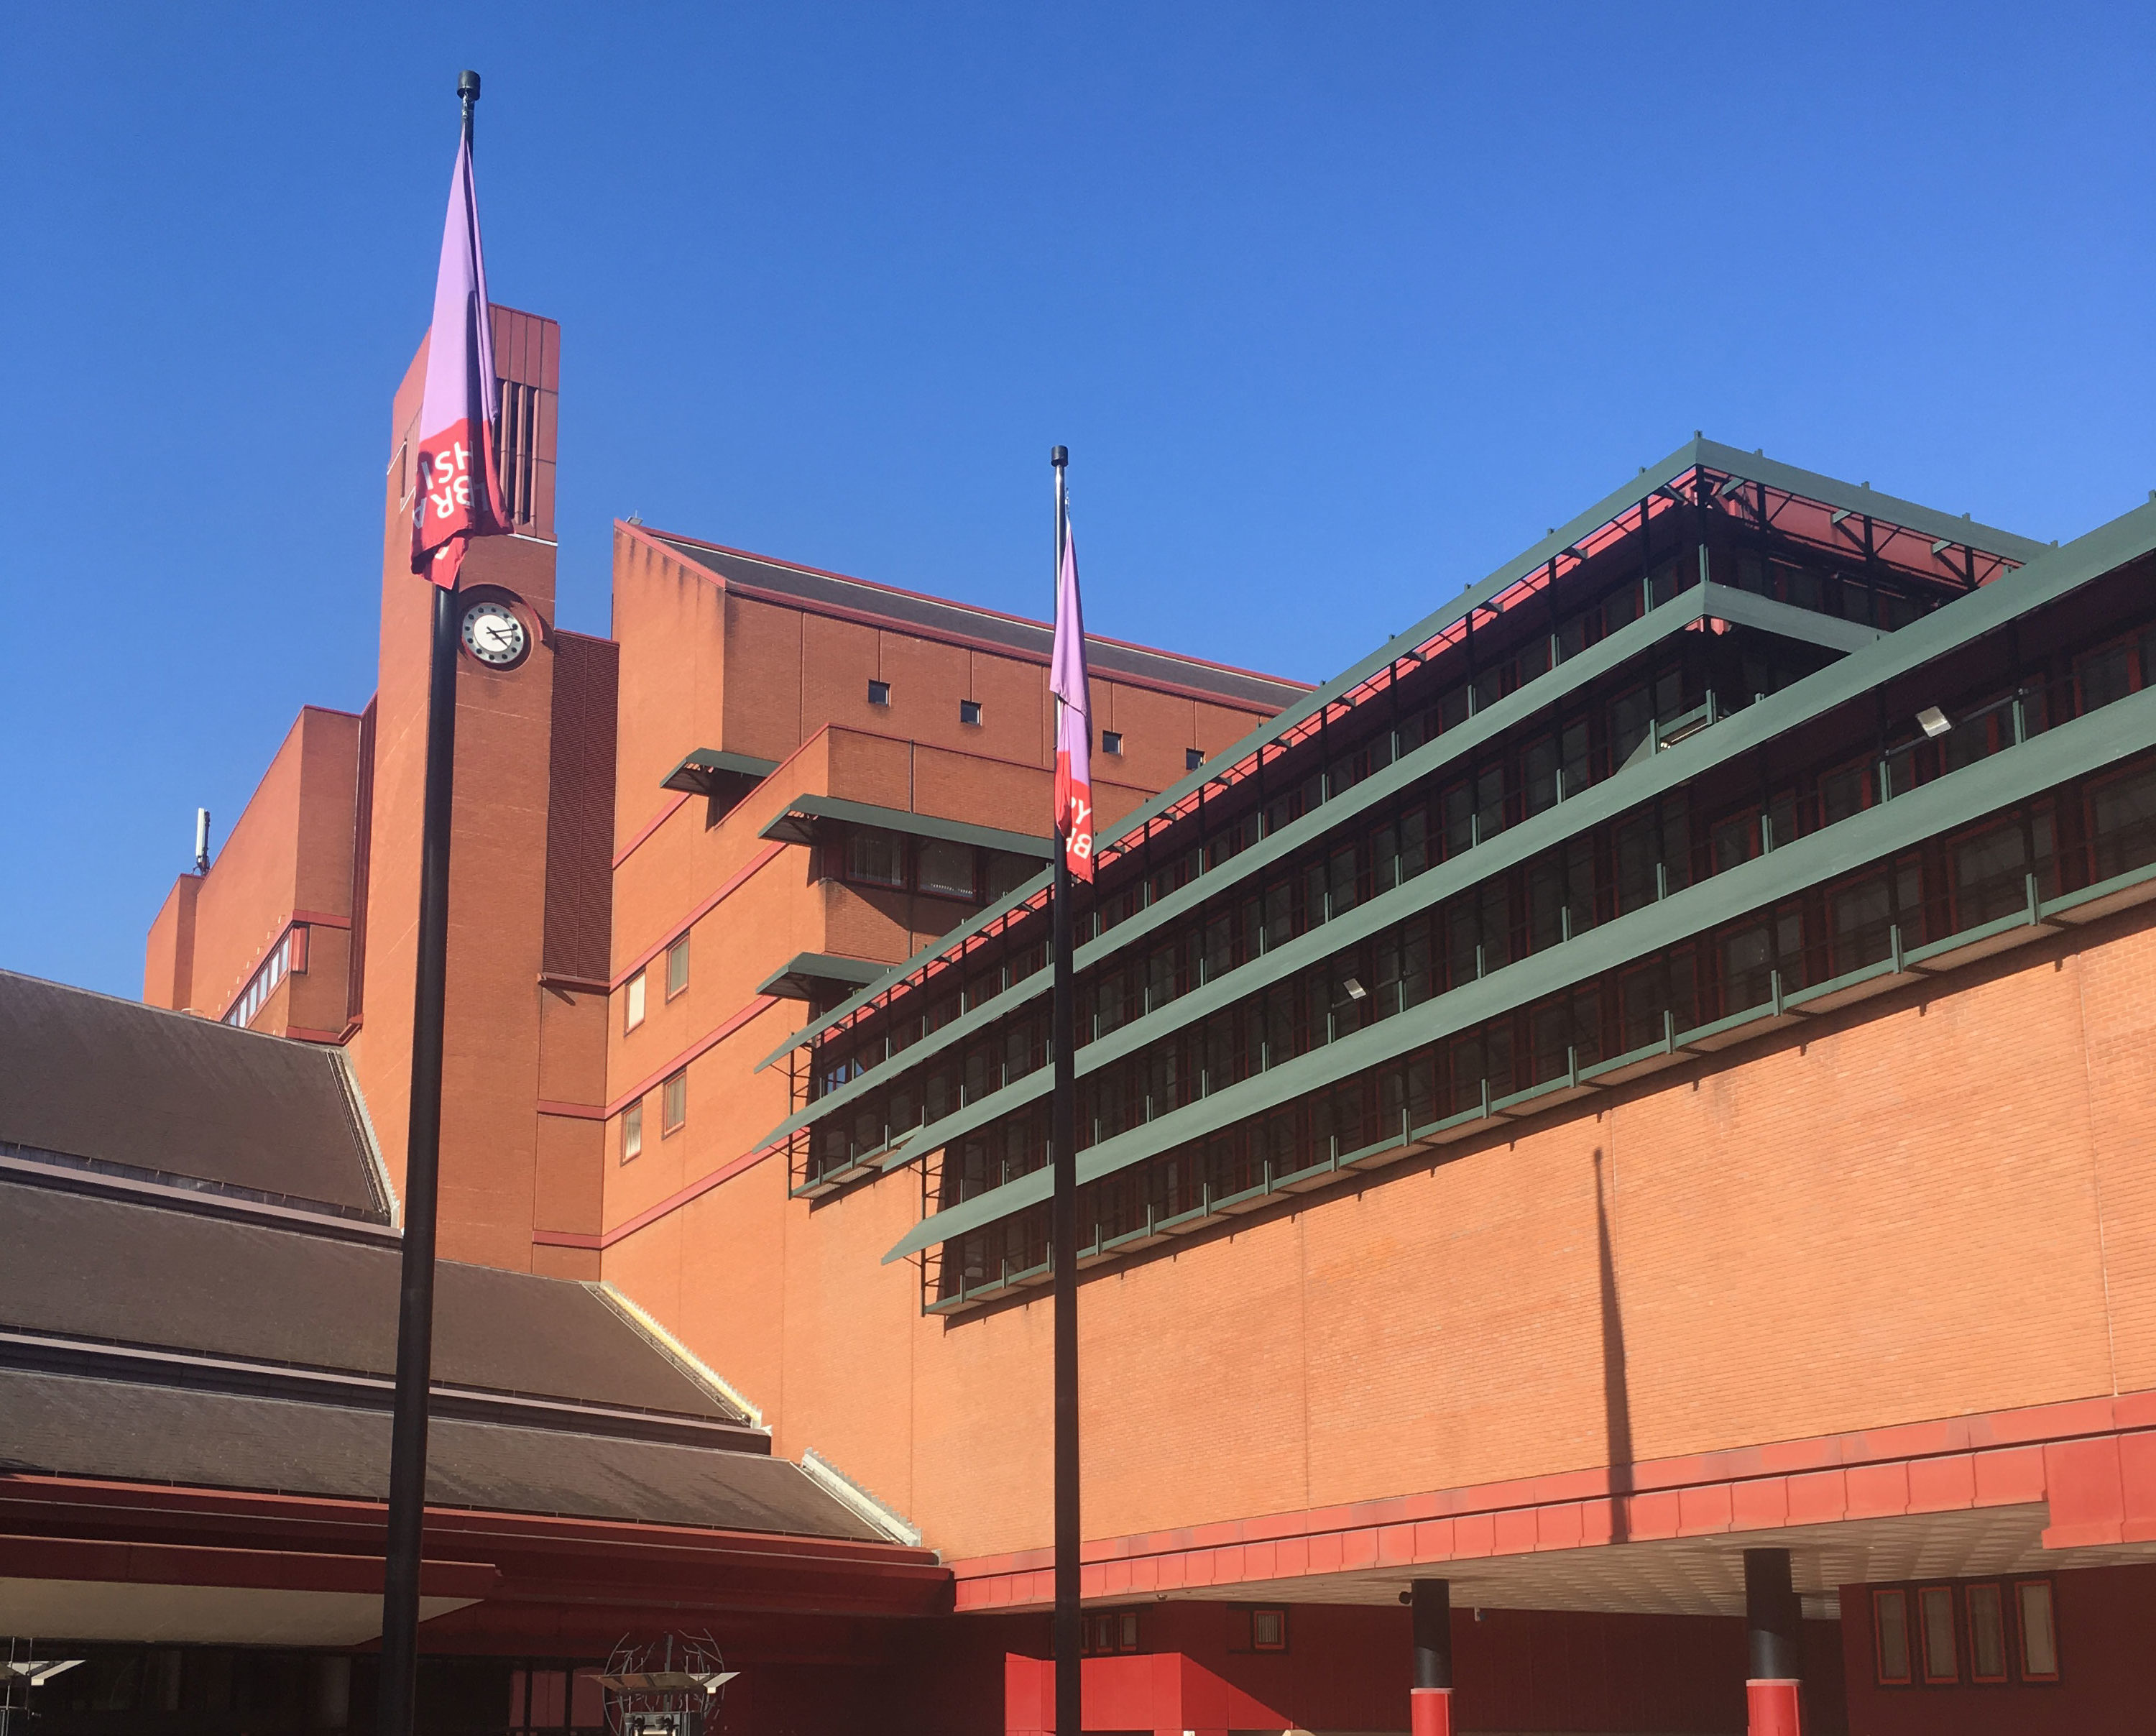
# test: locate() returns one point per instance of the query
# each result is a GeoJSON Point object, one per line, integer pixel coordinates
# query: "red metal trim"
{"type": "Point", "coordinates": [565, 1239]}
{"type": "Point", "coordinates": [574, 1112]}
{"type": "Point", "coordinates": [650, 826]}
{"type": "Point", "coordinates": [756, 1004]}
{"type": "Point", "coordinates": [695, 1189]}
{"type": "Point", "coordinates": [309, 1034]}
{"type": "Point", "coordinates": [320, 919]}
{"type": "Point", "coordinates": [760, 859]}
{"type": "Point", "coordinates": [153, 1563]}
{"type": "Point", "coordinates": [2005, 1458]}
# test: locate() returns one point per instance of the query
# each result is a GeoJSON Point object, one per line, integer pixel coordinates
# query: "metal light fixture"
{"type": "Point", "coordinates": [1934, 722]}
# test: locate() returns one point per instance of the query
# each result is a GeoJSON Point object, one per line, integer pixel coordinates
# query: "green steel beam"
{"type": "Point", "coordinates": [1696, 454]}
{"type": "Point", "coordinates": [798, 817]}
{"type": "Point", "coordinates": [2016, 774]}
{"type": "Point", "coordinates": [1884, 658]}
{"type": "Point", "coordinates": [1708, 602]}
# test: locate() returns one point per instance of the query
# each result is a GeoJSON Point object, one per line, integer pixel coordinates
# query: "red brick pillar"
{"type": "Point", "coordinates": [1775, 1619]}
{"type": "Point", "coordinates": [1431, 1710]}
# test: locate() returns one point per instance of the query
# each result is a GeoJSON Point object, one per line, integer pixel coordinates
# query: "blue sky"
{"type": "Point", "coordinates": [1336, 306]}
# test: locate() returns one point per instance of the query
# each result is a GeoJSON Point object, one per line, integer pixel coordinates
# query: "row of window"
{"type": "Point", "coordinates": [288, 957]}
{"type": "Point", "coordinates": [673, 1115]}
{"type": "Point", "coordinates": [1989, 1633]}
{"type": "Point", "coordinates": [1105, 1632]}
{"type": "Point", "coordinates": [635, 991]}
{"type": "Point", "coordinates": [1462, 807]}
{"type": "Point", "coordinates": [1603, 873]}
{"type": "Point", "coordinates": [970, 714]}
{"type": "Point", "coordinates": [940, 867]}
{"type": "Point", "coordinates": [2084, 836]}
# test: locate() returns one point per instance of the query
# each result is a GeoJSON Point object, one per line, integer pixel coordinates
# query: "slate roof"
{"type": "Point", "coordinates": [78, 1426]}
{"type": "Point", "coordinates": [139, 1089]}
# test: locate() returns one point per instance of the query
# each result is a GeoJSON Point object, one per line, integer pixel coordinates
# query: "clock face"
{"type": "Point", "coordinates": [494, 634]}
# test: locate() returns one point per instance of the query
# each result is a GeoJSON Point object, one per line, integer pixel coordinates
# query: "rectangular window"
{"type": "Point", "coordinates": [2040, 1639]}
{"type": "Point", "coordinates": [1112, 740]}
{"type": "Point", "coordinates": [631, 1003]}
{"type": "Point", "coordinates": [677, 966]}
{"type": "Point", "coordinates": [876, 858]}
{"type": "Point", "coordinates": [946, 868]}
{"type": "Point", "coordinates": [676, 1108]}
{"type": "Point", "coordinates": [1935, 1608]}
{"type": "Point", "coordinates": [969, 711]}
{"type": "Point", "coordinates": [632, 1131]}
{"type": "Point", "coordinates": [1193, 758]}
{"type": "Point", "coordinates": [1268, 1629]}
{"type": "Point", "coordinates": [1987, 1634]}
{"type": "Point", "coordinates": [879, 693]}
{"type": "Point", "coordinates": [1890, 1629]}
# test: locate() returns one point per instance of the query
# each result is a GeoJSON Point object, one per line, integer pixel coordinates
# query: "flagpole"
{"type": "Point", "coordinates": [397, 1683]}
{"type": "Point", "coordinates": [1063, 1137]}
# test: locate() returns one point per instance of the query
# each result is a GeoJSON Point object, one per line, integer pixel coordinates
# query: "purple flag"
{"type": "Point", "coordinates": [1073, 716]}
{"type": "Point", "coordinates": [459, 488]}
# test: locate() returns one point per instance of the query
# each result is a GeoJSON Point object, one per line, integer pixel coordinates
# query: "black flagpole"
{"type": "Point", "coordinates": [397, 1689]}
{"type": "Point", "coordinates": [1063, 1137]}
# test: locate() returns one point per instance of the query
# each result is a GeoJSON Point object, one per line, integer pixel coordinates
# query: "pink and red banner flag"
{"type": "Point", "coordinates": [1073, 716]}
{"type": "Point", "coordinates": [458, 494]}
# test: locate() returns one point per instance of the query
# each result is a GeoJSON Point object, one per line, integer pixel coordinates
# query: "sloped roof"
{"type": "Point", "coordinates": [53, 1422]}
{"type": "Point", "coordinates": [139, 1089]}
{"type": "Point", "coordinates": [117, 1272]}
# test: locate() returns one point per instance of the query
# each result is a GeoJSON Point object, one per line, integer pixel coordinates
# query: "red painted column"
{"type": "Point", "coordinates": [1430, 1709]}
{"type": "Point", "coordinates": [1775, 1619]}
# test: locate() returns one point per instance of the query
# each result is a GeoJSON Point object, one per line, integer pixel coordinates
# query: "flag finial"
{"type": "Point", "coordinates": [1059, 456]}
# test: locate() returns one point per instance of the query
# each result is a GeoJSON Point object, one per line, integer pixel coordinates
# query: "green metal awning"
{"type": "Point", "coordinates": [703, 772]}
{"type": "Point", "coordinates": [798, 825]}
{"type": "Point", "coordinates": [803, 976]}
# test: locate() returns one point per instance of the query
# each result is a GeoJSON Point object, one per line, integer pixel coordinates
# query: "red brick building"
{"type": "Point", "coordinates": [1653, 1064]}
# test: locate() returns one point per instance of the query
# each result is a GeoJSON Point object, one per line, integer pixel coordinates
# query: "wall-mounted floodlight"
{"type": "Point", "coordinates": [1356, 991]}
{"type": "Point", "coordinates": [1934, 722]}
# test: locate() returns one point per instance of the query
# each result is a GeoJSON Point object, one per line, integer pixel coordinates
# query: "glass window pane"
{"type": "Point", "coordinates": [947, 868]}
{"type": "Point", "coordinates": [632, 1014]}
{"type": "Point", "coordinates": [1935, 1604]}
{"type": "Point", "coordinates": [1987, 1634]}
{"type": "Point", "coordinates": [1890, 1621]}
{"type": "Point", "coordinates": [677, 966]}
{"type": "Point", "coordinates": [632, 1131]}
{"type": "Point", "coordinates": [2039, 1642]}
{"type": "Point", "coordinates": [876, 858]}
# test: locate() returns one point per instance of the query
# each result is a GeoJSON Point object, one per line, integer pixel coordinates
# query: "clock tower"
{"type": "Point", "coordinates": [528, 951]}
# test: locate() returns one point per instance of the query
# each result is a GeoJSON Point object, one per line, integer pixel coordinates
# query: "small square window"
{"type": "Point", "coordinates": [1126, 1630]}
{"type": "Point", "coordinates": [677, 966]}
{"type": "Point", "coordinates": [1193, 758]}
{"type": "Point", "coordinates": [879, 693]}
{"type": "Point", "coordinates": [2040, 1638]}
{"type": "Point", "coordinates": [1268, 1629]}
{"type": "Point", "coordinates": [1112, 740]}
{"type": "Point", "coordinates": [632, 1130]}
{"type": "Point", "coordinates": [1935, 1608]}
{"type": "Point", "coordinates": [1890, 1628]}
{"type": "Point", "coordinates": [631, 1003]}
{"type": "Point", "coordinates": [675, 1109]}
{"type": "Point", "coordinates": [1987, 1634]}
{"type": "Point", "coordinates": [969, 711]}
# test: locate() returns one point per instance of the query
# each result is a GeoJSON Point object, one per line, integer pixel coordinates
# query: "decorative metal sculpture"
{"type": "Point", "coordinates": [669, 1687]}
